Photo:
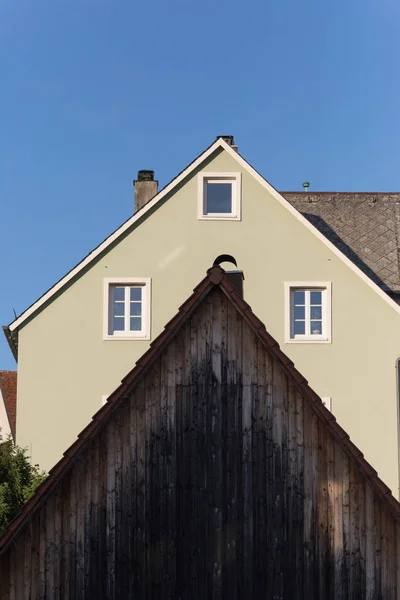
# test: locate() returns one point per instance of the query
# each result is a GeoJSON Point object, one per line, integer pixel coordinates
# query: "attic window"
{"type": "Point", "coordinates": [219, 196]}
{"type": "Point", "coordinates": [126, 308]}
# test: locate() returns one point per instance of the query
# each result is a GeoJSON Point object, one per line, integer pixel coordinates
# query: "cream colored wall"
{"type": "Point", "coordinates": [65, 367]}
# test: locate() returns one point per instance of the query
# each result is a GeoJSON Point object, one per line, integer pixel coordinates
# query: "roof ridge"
{"type": "Point", "coordinates": [215, 277]}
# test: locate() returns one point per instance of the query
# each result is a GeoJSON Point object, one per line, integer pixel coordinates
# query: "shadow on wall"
{"type": "Point", "coordinates": [333, 237]}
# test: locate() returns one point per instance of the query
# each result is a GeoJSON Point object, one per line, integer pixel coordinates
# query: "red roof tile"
{"type": "Point", "coordinates": [8, 388]}
{"type": "Point", "coordinates": [215, 277]}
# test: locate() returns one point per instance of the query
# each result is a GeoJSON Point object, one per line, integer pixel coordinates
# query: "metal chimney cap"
{"type": "Point", "coordinates": [306, 185]}
{"type": "Point", "coordinates": [145, 175]}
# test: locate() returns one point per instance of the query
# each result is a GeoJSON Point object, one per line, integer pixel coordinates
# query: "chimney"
{"type": "Point", "coordinates": [145, 188]}
{"type": "Point", "coordinates": [236, 279]}
{"type": "Point", "coordinates": [230, 140]}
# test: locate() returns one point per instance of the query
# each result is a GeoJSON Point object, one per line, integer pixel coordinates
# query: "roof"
{"type": "Point", "coordinates": [8, 389]}
{"type": "Point", "coordinates": [220, 143]}
{"type": "Point", "coordinates": [364, 226]}
{"type": "Point", "coordinates": [215, 277]}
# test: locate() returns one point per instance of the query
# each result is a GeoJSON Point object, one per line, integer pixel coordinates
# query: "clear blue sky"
{"type": "Point", "coordinates": [93, 90]}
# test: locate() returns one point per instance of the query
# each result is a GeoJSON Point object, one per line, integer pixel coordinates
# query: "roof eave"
{"type": "Point", "coordinates": [12, 339]}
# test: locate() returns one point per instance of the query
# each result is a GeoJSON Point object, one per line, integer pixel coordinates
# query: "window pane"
{"type": "Point", "coordinates": [119, 293]}
{"type": "Point", "coordinates": [316, 327]}
{"type": "Point", "coordinates": [136, 323]}
{"type": "Point", "coordinates": [118, 323]}
{"type": "Point", "coordinates": [316, 312]}
{"type": "Point", "coordinates": [299, 327]}
{"type": "Point", "coordinates": [299, 312]}
{"type": "Point", "coordinates": [298, 297]}
{"type": "Point", "coordinates": [218, 197]}
{"type": "Point", "coordinates": [136, 308]}
{"type": "Point", "coordinates": [315, 297]}
{"type": "Point", "coordinates": [119, 309]}
{"type": "Point", "coordinates": [136, 293]}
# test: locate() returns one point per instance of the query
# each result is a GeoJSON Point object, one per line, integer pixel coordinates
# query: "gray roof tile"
{"type": "Point", "coordinates": [364, 226]}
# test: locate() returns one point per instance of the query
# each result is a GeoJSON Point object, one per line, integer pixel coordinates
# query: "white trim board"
{"type": "Point", "coordinates": [219, 143]}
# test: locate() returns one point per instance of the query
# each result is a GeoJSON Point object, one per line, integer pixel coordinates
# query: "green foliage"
{"type": "Point", "coordinates": [18, 480]}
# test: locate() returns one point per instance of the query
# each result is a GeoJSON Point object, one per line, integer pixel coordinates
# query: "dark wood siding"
{"type": "Point", "coordinates": [212, 479]}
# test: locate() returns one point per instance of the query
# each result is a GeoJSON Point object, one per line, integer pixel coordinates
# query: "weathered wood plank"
{"type": "Point", "coordinates": [338, 541]}
{"type": "Point", "coordinates": [310, 503]}
{"type": "Point", "coordinates": [370, 590]}
{"type": "Point", "coordinates": [110, 510]}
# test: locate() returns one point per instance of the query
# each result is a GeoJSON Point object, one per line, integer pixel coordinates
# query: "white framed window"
{"type": "Point", "coordinates": [308, 312]}
{"type": "Point", "coordinates": [219, 196]}
{"type": "Point", "coordinates": [126, 308]}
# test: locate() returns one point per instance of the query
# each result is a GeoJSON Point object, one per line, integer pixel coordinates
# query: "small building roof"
{"type": "Point", "coordinates": [8, 389]}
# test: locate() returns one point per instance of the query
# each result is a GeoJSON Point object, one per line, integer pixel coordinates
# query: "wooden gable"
{"type": "Point", "coordinates": [213, 473]}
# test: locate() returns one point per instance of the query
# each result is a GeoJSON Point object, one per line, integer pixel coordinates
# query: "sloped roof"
{"type": "Point", "coordinates": [215, 277]}
{"type": "Point", "coordinates": [8, 389]}
{"type": "Point", "coordinates": [11, 331]}
{"type": "Point", "coordinates": [364, 226]}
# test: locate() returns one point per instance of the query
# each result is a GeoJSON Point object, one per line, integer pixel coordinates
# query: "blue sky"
{"type": "Point", "coordinates": [93, 90]}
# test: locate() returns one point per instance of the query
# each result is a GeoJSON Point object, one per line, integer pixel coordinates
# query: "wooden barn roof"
{"type": "Point", "coordinates": [215, 278]}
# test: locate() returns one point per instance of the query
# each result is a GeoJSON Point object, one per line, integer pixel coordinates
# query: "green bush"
{"type": "Point", "coordinates": [18, 480]}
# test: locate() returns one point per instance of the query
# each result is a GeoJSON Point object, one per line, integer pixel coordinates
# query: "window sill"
{"type": "Point", "coordinates": [126, 338]}
{"type": "Point", "coordinates": [308, 341]}
{"type": "Point", "coordinates": [219, 218]}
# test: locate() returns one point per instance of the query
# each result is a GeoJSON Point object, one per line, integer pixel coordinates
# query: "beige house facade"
{"type": "Point", "coordinates": [76, 343]}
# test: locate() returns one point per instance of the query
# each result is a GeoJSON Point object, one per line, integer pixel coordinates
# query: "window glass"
{"type": "Point", "coordinates": [135, 323]}
{"type": "Point", "coordinates": [307, 312]}
{"type": "Point", "coordinates": [119, 293]}
{"type": "Point", "coordinates": [118, 324]}
{"type": "Point", "coordinates": [315, 297]}
{"type": "Point", "coordinates": [125, 309]}
{"type": "Point", "coordinates": [119, 309]}
{"type": "Point", "coordinates": [298, 297]}
{"type": "Point", "coordinates": [316, 312]}
{"type": "Point", "coordinates": [218, 197]}
{"type": "Point", "coordinates": [299, 312]}
{"type": "Point", "coordinates": [136, 308]}
{"type": "Point", "coordinates": [316, 327]}
{"type": "Point", "coordinates": [136, 293]}
{"type": "Point", "coordinates": [299, 327]}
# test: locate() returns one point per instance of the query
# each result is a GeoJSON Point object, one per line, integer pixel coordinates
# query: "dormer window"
{"type": "Point", "coordinates": [219, 196]}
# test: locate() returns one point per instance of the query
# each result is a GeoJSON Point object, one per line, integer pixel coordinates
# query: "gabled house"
{"type": "Point", "coordinates": [213, 471]}
{"type": "Point", "coordinates": [340, 327]}
{"type": "Point", "coordinates": [8, 403]}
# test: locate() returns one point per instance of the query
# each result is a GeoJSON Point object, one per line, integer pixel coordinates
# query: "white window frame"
{"type": "Point", "coordinates": [145, 283]}
{"type": "Point", "coordinates": [236, 180]}
{"type": "Point", "coordinates": [326, 287]}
